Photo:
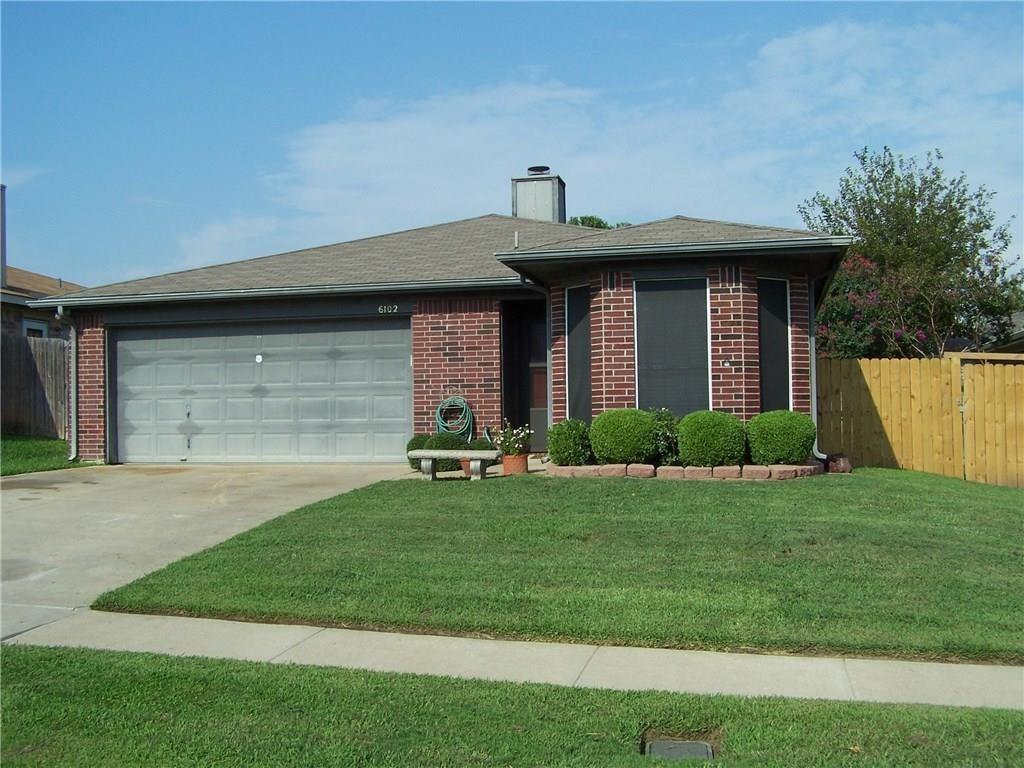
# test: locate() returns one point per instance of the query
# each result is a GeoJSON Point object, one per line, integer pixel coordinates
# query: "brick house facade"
{"type": "Point", "coordinates": [343, 352]}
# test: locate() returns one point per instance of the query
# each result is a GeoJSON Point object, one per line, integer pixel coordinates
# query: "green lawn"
{"type": "Point", "coordinates": [881, 562]}
{"type": "Point", "coordinates": [20, 454]}
{"type": "Point", "coordinates": [99, 708]}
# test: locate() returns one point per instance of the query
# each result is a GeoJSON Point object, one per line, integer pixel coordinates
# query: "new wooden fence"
{"type": "Point", "coordinates": [33, 386]}
{"type": "Point", "coordinates": [959, 416]}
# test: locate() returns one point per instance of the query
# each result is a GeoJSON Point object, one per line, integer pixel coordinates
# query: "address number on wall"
{"type": "Point", "coordinates": [387, 309]}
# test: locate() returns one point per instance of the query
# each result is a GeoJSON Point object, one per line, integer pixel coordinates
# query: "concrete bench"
{"type": "Point", "coordinates": [478, 461]}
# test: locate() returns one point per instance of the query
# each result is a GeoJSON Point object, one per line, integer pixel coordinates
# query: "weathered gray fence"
{"type": "Point", "coordinates": [33, 386]}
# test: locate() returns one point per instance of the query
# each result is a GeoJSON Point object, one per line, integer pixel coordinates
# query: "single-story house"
{"type": "Point", "coordinates": [342, 352]}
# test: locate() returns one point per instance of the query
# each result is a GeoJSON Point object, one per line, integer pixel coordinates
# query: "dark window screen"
{"type": "Point", "coordinates": [773, 335]}
{"type": "Point", "coordinates": [672, 345]}
{"type": "Point", "coordinates": [577, 321]}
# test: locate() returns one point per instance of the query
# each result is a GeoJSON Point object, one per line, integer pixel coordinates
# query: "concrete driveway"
{"type": "Point", "coordinates": [68, 536]}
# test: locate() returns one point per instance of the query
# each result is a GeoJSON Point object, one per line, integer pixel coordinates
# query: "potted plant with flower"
{"type": "Point", "coordinates": [514, 444]}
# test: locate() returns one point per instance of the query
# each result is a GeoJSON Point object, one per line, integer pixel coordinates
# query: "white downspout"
{"type": "Point", "coordinates": [72, 389]}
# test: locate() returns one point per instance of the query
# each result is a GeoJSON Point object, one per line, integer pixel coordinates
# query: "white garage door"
{"type": "Point", "coordinates": [337, 390]}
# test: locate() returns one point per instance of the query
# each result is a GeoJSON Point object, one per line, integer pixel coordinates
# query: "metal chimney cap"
{"type": "Point", "coordinates": [538, 170]}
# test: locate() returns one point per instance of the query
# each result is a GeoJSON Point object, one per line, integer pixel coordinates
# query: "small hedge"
{"type": "Point", "coordinates": [417, 442]}
{"type": "Point", "coordinates": [780, 437]}
{"type": "Point", "coordinates": [666, 438]}
{"type": "Point", "coordinates": [569, 443]}
{"type": "Point", "coordinates": [481, 444]}
{"type": "Point", "coordinates": [446, 441]}
{"type": "Point", "coordinates": [623, 436]}
{"type": "Point", "coordinates": [711, 439]}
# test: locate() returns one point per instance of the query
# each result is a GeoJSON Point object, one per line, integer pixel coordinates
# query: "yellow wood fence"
{"type": "Point", "coordinates": [959, 416]}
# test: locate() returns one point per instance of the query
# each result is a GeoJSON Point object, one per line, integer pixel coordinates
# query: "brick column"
{"type": "Point", "coordinates": [799, 339]}
{"type": "Point", "coordinates": [612, 345]}
{"type": "Point", "coordinates": [456, 349]}
{"type": "Point", "coordinates": [735, 370]}
{"type": "Point", "coordinates": [92, 375]}
{"type": "Point", "coordinates": [559, 391]}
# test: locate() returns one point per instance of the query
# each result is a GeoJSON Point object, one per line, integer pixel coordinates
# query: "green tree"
{"type": "Point", "coordinates": [596, 222]}
{"type": "Point", "coordinates": [926, 266]}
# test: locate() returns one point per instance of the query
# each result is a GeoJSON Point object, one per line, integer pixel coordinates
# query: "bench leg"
{"type": "Point", "coordinates": [427, 468]}
{"type": "Point", "coordinates": [477, 469]}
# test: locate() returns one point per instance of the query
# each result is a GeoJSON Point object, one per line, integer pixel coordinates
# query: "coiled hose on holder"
{"type": "Point", "coordinates": [454, 415]}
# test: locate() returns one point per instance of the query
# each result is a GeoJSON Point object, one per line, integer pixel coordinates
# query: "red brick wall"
{"type": "Point", "coordinates": [456, 350]}
{"type": "Point", "coordinates": [92, 420]}
{"type": "Point", "coordinates": [735, 387]}
{"type": "Point", "coordinates": [735, 370]}
{"type": "Point", "coordinates": [612, 348]}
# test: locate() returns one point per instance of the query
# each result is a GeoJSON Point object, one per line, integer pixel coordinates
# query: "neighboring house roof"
{"type": "Point", "coordinates": [1016, 341]}
{"type": "Point", "coordinates": [452, 255]}
{"type": "Point", "coordinates": [23, 285]}
{"type": "Point", "coordinates": [440, 255]}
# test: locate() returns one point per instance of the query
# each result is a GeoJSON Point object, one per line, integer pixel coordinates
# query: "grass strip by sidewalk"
{"type": "Point", "coordinates": [881, 562]}
{"type": "Point", "coordinates": [99, 708]}
{"type": "Point", "coordinates": [20, 454]}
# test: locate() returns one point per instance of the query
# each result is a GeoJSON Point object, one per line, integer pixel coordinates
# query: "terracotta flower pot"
{"type": "Point", "coordinates": [465, 466]}
{"type": "Point", "coordinates": [515, 465]}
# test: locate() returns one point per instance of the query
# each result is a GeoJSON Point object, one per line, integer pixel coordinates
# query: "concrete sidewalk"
{"type": "Point", "coordinates": [585, 666]}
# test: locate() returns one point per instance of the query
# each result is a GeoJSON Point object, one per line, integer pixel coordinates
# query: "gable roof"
{"type": "Point", "coordinates": [480, 252]}
{"type": "Point", "coordinates": [25, 284]}
{"type": "Point", "coordinates": [442, 255]}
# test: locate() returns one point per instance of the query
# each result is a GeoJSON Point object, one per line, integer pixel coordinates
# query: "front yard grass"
{"type": "Point", "coordinates": [20, 454]}
{"type": "Point", "coordinates": [880, 562]}
{"type": "Point", "coordinates": [100, 708]}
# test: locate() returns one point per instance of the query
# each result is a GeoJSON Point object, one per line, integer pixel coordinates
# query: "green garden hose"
{"type": "Point", "coordinates": [454, 415]}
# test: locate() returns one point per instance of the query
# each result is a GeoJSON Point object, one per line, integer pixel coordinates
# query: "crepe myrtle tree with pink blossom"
{"type": "Point", "coordinates": [928, 269]}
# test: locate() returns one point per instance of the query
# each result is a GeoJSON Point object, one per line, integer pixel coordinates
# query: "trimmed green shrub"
{"type": "Point", "coordinates": [666, 438]}
{"type": "Point", "coordinates": [569, 443]}
{"type": "Point", "coordinates": [780, 437]}
{"type": "Point", "coordinates": [623, 436]}
{"type": "Point", "coordinates": [446, 441]}
{"type": "Point", "coordinates": [481, 444]}
{"type": "Point", "coordinates": [711, 439]}
{"type": "Point", "coordinates": [417, 442]}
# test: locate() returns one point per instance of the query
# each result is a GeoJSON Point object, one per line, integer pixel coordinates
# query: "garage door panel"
{"type": "Point", "coordinates": [390, 444]}
{"type": "Point", "coordinates": [277, 446]}
{"type": "Point", "coordinates": [336, 390]}
{"type": "Point", "coordinates": [353, 408]}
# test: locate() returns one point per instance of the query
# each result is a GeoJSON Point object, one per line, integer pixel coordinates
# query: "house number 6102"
{"type": "Point", "coordinates": [387, 309]}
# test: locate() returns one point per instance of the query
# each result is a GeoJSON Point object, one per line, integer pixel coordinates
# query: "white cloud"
{"type": "Point", "coordinates": [236, 238]}
{"type": "Point", "coordinates": [786, 127]}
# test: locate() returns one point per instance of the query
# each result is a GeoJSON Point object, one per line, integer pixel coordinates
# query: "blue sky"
{"type": "Point", "coordinates": [143, 138]}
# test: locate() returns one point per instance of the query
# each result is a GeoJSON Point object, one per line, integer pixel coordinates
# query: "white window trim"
{"type": "Point", "coordinates": [28, 323]}
{"type": "Point", "coordinates": [636, 349]}
{"type": "Point", "coordinates": [789, 334]}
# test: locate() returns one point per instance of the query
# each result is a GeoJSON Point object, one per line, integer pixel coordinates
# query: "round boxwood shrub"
{"type": "Point", "coordinates": [569, 443]}
{"type": "Point", "coordinates": [446, 441]}
{"type": "Point", "coordinates": [481, 444]}
{"type": "Point", "coordinates": [711, 439]}
{"type": "Point", "coordinates": [623, 436]}
{"type": "Point", "coordinates": [417, 442]}
{"type": "Point", "coordinates": [780, 437]}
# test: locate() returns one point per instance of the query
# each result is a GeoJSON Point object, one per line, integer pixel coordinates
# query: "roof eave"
{"type": "Point", "coordinates": [669, 249]}
{"type": "Point", "coordinates": [257, 293]}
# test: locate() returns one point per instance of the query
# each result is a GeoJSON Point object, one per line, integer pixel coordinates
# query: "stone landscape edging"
{"type": "Point", "coordinates": [640, 471]}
